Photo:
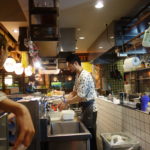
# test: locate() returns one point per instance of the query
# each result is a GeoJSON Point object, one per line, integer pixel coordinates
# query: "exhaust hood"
{"type": "Point", "coordinates": [47, 48]}
{"type": "Point", "coordinates": [67, 43]}
{"type": "Point", "coordinates": [67, 39]}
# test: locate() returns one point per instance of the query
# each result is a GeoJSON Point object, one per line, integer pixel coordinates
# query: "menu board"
{"type": "Point", "coordinates": [87, 66]}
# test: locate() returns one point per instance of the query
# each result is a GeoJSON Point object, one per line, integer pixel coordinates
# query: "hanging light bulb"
{"type": "Point", "coordinates": [69, 78]}
{"type": "Point", "coordinates": [99, 4]}
{"type": "Point", "coordinates": [37, 65]}
{"type": "Point", "coordinates": [9, 64]}
{"type": "Point", "coordinates": [8, 80]}
{"type": "Point", "coordinates": [18, 68]}
{"type": "Point", "coordinates": [28, 71]}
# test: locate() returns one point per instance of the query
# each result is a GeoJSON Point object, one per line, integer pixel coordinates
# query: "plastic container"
{"type": "Point", "coordinates": [144, 102]}
{"type": "Point", "coordinates": [131, 63]}
{"type": "Point", "coordinates": [68, 114]}
{"type": "Point", "coordinates": [146, 39]}
{"type": "Point", "coordinates": [55, 115]}
{"type": "Point", "coordinates": [119, 141]}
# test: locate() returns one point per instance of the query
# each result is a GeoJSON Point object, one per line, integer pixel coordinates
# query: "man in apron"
{"type": "Point", "coordinates": [84, 94]}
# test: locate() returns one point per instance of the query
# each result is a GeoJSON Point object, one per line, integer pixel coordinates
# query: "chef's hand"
{"type": "Point", "coordinates": [62, 106]}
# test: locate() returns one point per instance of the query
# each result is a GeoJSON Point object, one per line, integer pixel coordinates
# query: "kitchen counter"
{"type": "Point", "coordinates": [117, 118]}
{"type": "Point", "coordinates": [70, 134]}
{"type": "Point", "coordinates": [127, 104]}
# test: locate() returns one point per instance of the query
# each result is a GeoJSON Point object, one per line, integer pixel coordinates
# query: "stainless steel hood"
{"type": "Point", "coordinates": [67, 39]}
{"type": "Point", "coordinates": [67, 43]}
{"type": "Point", "coordinates": [50, 49]}
{"type": "Point", "coordinates": [47, 48]}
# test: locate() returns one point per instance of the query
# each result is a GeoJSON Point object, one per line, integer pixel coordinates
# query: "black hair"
{"type": "Point", "coordinates": [72, 58]}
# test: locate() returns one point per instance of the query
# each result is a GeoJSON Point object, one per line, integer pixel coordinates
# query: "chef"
{"type": "Point", "coordinates": [84, 94]}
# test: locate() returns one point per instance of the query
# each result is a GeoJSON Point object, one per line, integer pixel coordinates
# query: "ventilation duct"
{"type": "Point", "coordinates": [23, 32]}
{"type": "Point", "coordinates": [67, 39]}
{"type": "Point", "coordinates": [50, 63]}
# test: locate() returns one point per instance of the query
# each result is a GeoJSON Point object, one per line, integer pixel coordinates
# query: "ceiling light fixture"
{"type": "Point", "coordinates": [18, 68]}
{"type": "Point", "coordinates": [61, 49]}
{"type": "Point", "coordinates": [99, 4]}
{"type": "Point", "coordinates": [9, 64]}
{"type": "Point", "coordinates": [78, 29]}
{"type": "Point", "coordinates": [111, 37]}
{"type": "Point", "coordinates": [37, 65]}
{"type": "Point", "coordinates": [8, 80]}
{"type": "Point", "coordinates": [100, 47]}
{"type": "Point", "coordinates": [81, 37]}
{"type": "Point", "coordinates": [15, 30]}
{"type": "Point", "coordinates": [28, 71]}
{"type": "Point", "coordinates": [76, 48]}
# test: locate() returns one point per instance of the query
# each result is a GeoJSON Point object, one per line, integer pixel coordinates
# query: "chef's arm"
{"type": "Point", "coordinates": [75, 99]}
{"type": "Point", "coordinates": [71, 95]}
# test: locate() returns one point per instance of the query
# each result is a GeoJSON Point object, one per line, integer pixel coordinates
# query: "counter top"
{"type": "Point", "coordinates": [128, 104]}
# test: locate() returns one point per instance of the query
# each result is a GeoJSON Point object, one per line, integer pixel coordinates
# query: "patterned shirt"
{"type": "Point", "coordinates": [84, 86]}
{"type": "Point", "coordinates": [2, 96]}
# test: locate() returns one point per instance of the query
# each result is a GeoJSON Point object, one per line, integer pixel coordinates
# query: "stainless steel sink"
{"type": "Point", "coordinates": [68, 135]}
{"type": "Point", "coordinates": [67, 128]}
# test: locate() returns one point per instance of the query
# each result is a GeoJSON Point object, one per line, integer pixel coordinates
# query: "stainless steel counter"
{"type": "Point", "coordinates": [58, 135]}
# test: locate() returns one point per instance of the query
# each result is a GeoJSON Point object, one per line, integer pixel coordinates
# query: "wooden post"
{"type": "Point", "coordinates": [3, 80]}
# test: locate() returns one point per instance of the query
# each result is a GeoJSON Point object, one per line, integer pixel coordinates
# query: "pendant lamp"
{"type": "Point", "coordinates": [9, 64]}
{"type": "Point", "coordinates": [28, 71]}
{"type": "Point", "coordinates": [18, 68]}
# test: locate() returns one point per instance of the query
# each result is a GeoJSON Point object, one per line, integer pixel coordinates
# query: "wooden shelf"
{"type": "Point", "coordinates": [140, 20]}
{"type": "Point", "coordinates": [144, 79]}
{"type": "Point", "coordinates": [43, 26]}
{"type": "Point", "coordinates": [148, 78]}
{"type": "Point", "coordinates": [45, 39]}
{"type": "Point", "coordinates": [44, 33]}
{"type": "Point", "coordinates": [144, 69]}
{"type": "Point", "coordinates": [43, 22]}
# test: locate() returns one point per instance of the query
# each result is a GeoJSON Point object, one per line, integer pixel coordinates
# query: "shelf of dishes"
{"type": "Point", "coordinates": [141, 79]}
{"type": "Point", "coordinates": [138, 70]}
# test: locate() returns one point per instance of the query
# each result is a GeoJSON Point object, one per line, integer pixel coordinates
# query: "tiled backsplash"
{"type": "Point", "coordinates": [116, 85]}
{"type": "Point", "coordinates": [115, 118]}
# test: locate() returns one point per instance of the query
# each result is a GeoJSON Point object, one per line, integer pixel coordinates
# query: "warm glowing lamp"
{"type": "Point", "coordinates": [28, 71]}
{"type": "Point", "coordinates": [18, 68]}
{"type": "Point", "coordinates": [8, 80]}
{"type": "Point", "coordinates": [9, 64]}
{"type": "Point", "coordinates": [99, 4]}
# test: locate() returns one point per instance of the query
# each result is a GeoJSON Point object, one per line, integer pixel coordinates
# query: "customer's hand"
{"type": "Point", "coordinates": [11, 116]}
{"type": "Point", "coordinates": [24, 122]}
{"type": "Point", "coordinates": [25, 127]}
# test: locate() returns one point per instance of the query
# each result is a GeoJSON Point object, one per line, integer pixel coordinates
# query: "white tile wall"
{"type": "Point", "coordinates": [115, 118]}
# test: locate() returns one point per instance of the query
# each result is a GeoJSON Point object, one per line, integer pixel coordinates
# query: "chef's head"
{"type": "Point", "coordinates": [73, 62]}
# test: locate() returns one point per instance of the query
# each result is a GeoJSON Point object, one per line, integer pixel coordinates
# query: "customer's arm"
{"type": "Point", "coordinates": [23, 119]}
